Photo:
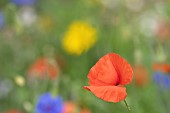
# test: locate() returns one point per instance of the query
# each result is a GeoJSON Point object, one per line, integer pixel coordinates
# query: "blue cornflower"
{"type": "Point", "coordinates": [49, 104]}
{"type": "Point", "coordinates": [1, 19]}
{"type": "Point", "coordinates": [162, 79]}
{"type": "Point", "coordinates": [23, 2]}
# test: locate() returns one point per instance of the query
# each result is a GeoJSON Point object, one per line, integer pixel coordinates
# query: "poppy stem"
{"type": "Point", "coordinates": [128, 108]}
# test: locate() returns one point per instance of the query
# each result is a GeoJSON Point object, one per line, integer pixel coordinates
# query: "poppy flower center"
{"type": "Point", "coordinates": [115, 75]}
{"type": "Point", "coordinates": [118, 79]}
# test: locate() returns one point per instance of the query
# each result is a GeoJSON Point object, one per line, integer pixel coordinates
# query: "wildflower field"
{"type": "Point", "coordinates": [84, 56]}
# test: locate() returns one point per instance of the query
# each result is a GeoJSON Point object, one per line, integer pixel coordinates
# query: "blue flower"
{"type": "Point", "coordinates": [162, 79]}
{"type": "Point", "coordinates": [1, 19]}
{"type": "Point", "coordinates": [23, 2]}
{"type": "Point", "coordinates": [49, 104]}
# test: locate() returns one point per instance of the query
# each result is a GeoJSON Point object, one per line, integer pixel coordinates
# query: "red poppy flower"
{"type": "Point", "coordinates": [140, 75]}
{"type": "Point", "coordinates": [43, 67]}
{"type": "Point", "coordinates": [108, 77]}
{"type": "Point", "coordinates": [14, 111]}
{"type": "Point", "coordinates": [70, 107]}
{"type": "Point", "coordinates": [85, 110]}
{"type": "Point", "coordinates": [161, 67]}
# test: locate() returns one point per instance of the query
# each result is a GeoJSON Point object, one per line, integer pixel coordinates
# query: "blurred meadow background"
{"type": "Point", "coordinates": [47, 48]}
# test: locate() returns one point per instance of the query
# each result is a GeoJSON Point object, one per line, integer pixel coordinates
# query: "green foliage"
{"type": "Point", "coordinates": [117, 30]}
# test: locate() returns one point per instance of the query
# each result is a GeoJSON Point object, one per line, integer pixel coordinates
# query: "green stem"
{"type": "Point", "coordinates": [128, 108]}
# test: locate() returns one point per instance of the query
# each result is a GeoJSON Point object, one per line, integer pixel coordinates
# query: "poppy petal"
{"type": "Point", "coordinates": [103, 73]}
{"type": "Point", "coordinates": [108, 93]}
{"type": "Point", "coordinates": [123, 68]}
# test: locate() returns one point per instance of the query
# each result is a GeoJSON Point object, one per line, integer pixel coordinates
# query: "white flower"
{"type": "Point", "coordinates": [27, 16]}
{"type": "Point", "coordinates": [110, 3]}
{"type": "Point", "coordinates": [135, 5]}
{"type": "Point", "coordinates": [148, 23]}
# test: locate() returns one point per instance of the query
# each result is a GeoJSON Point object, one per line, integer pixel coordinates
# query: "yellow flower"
{"type": "Point", "coordinates": [80, 37]}
{"type": "Point", "coordinates": [20, 81]}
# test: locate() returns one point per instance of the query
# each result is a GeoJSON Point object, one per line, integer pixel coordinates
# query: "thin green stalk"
{"type": "Point", "coordinates": [128, 108]}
